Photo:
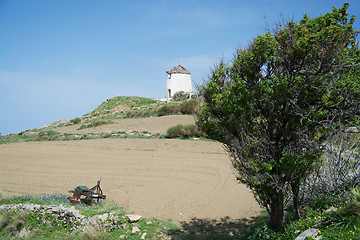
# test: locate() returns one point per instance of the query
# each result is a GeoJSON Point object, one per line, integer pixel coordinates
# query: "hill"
{"type": "Point", "coordinates": [120, 116]}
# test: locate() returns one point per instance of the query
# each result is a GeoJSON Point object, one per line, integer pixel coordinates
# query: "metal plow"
{"type": "Point", "coordinates": [83, 194]}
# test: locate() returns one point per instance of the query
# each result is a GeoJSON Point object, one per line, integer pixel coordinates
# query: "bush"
{"type": "Point", "coordinates": [95, 124]}
{"type": "Point", "coordinates": [100, 122]}
{"type": "Point", "coordinates": [75, 120]}
{"type": "Point", "coordinates": [47, 135]}
{"type": "Point", "coordinates": [183, 131]}
{"type": "Point", "coordinates": [180, 96]}
{"type": "Point", "coordinates": [106, 135]}
{"type": "Point", "coordinates": [168, 109]}
{"type": "Point", "coordinates": [189, 107]}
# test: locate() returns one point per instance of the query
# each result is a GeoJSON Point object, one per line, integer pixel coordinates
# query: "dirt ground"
{"type": "Point", "coordinates": [156, 178]}
{"type": "Point", "coordinates": [152, 125]}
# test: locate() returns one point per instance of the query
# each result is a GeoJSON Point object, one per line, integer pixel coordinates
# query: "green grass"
{"type": "Point", "coordinates": [126, 101]}
{"type": "Point", "coordinates": [343, 223]}
{"type": "Point", "coordinates": [53, 199]}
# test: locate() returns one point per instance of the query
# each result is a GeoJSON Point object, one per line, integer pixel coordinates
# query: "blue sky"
{"type": "Point", "coordinates": [61, 59]}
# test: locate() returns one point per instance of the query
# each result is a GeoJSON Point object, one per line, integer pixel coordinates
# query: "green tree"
{"type": "Point", "coordinates": [279, 99]}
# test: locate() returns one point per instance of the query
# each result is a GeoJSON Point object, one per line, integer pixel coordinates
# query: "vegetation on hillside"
{"type": "Point", "coordinates": [114, 108]}
{"type": "Point", "coordinates": [334, 218]}
{"type": "Point", "coordinates": [36, 225]}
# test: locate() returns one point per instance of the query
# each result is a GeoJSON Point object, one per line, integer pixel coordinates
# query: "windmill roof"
{"type": "Point", "coordinates": [178, 69]}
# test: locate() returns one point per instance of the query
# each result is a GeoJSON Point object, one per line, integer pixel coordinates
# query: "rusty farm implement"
{"type": "Point", "coordinates": [83, 194]}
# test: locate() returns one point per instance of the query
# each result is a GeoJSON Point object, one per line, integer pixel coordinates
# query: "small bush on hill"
{"type": "Point", "coordinates": [189, 107]}
{"type": "Point", "coordinates": [184, 131]}
{"type": "Point", "coordinates": [47, 135]}
{"type": "Point", "coordinates": [96, 124]}
{"type": "Point", "coordinates": [75, 120]}
{"type": "Point", "coordinates": [168, 109]}
{"type": "Point", "coordinates": [180, 96]}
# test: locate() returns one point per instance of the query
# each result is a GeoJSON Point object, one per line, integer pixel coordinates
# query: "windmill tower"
{"type": "Point", "coordinates": [178, 79]}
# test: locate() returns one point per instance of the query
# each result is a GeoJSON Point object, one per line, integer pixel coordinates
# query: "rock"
{"type": "Point", "coordinates": [55, 209]}
{"type": "Point", "coordinates": [91, 221]}
{"type": "Point", "coordinates": [101, 218]}
{"type": "Point", "coordinates": [124, 226]}
{"type": "Point", "coordinates": [311, 232]}
{"type": "Point", "coordinates": [84, 222]}
{"type": "Point", "coordinates": [24, 233]}
{"type": "Point", "coordinates": [332, 209]}
{"type": "Point", "coordinates": [135, 229]}
{"type": "Point", "coordinates": [74, 212]}
{"type": "Point", "coordinates": [149, 222]}
{"type": "Point", "coordinates": [134, 218]}
{"type": "Point", "coordinates": [143, 236]}
{"type": "Point", "coordinates": [122, 236]}
{"type": "Point", "coordinates": [62, 214]}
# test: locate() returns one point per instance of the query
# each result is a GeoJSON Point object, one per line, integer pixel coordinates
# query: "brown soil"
{"type": "Point", "coordinates": [156, 178]}
{"type": "Point", "coordinates": [152, 125]}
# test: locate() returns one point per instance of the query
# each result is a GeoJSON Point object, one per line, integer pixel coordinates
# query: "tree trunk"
{"type": "Point", "coordinates": [296, 205]}
{"type": "Point", "coordinates": [277, 218]}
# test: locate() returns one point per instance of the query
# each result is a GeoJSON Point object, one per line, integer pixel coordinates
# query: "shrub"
{"type": "Point", "coordinates": [168, 109]}
{"type": "Point", "coordinates": [47, 135]}
{"type": "Point", "coordinates": [106, 135]}
{"type": "Point", "coordinates": [180, 96]}
{"type": "Point", "coordinates": [183, 131]}
{"type": "Point", "coordinates": [189, 107]}
{"type": "Point", "coordinates": [95, 124]}
{"type": "Point", "coordinates": [100, 122]}
{"type": "Point", "coordinates": [75, 120]}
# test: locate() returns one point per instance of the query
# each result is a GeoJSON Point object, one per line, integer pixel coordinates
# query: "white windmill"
{"type": "Point", "coordinates": [178, 79]}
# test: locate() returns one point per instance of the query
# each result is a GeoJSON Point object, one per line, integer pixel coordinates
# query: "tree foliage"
{"type": "Point", "coordinates": [279, 99]}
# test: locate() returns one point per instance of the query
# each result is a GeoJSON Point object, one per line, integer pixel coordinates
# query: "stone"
{"type": "Point", "coordinates": [74, 212]}
{"type": "Point", "coordinates": [24, 233]}
{"type": "Point", "coordinates": [101, 218]}
{"type": "Point", "coordinates": [72, 216]}
{"type": "Point", "coordinates": [143, 236]}
{"type": "Point", "coordinates": [122, 236]}
{"type": "Point", "coordinates": [332, 209]}
{"type": "Point", "coordinates": [135, 229]}
{"type": "Point", "coordinates": [134, 218]}
{"type": "Point", "coordinates": [91, 221]}
{"type": "Point", "coordinates": [84, 221]}
{"type": "Point", "coordinates": [124, 226]}
{"type": "Point", "coordinates": [311, 232]}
